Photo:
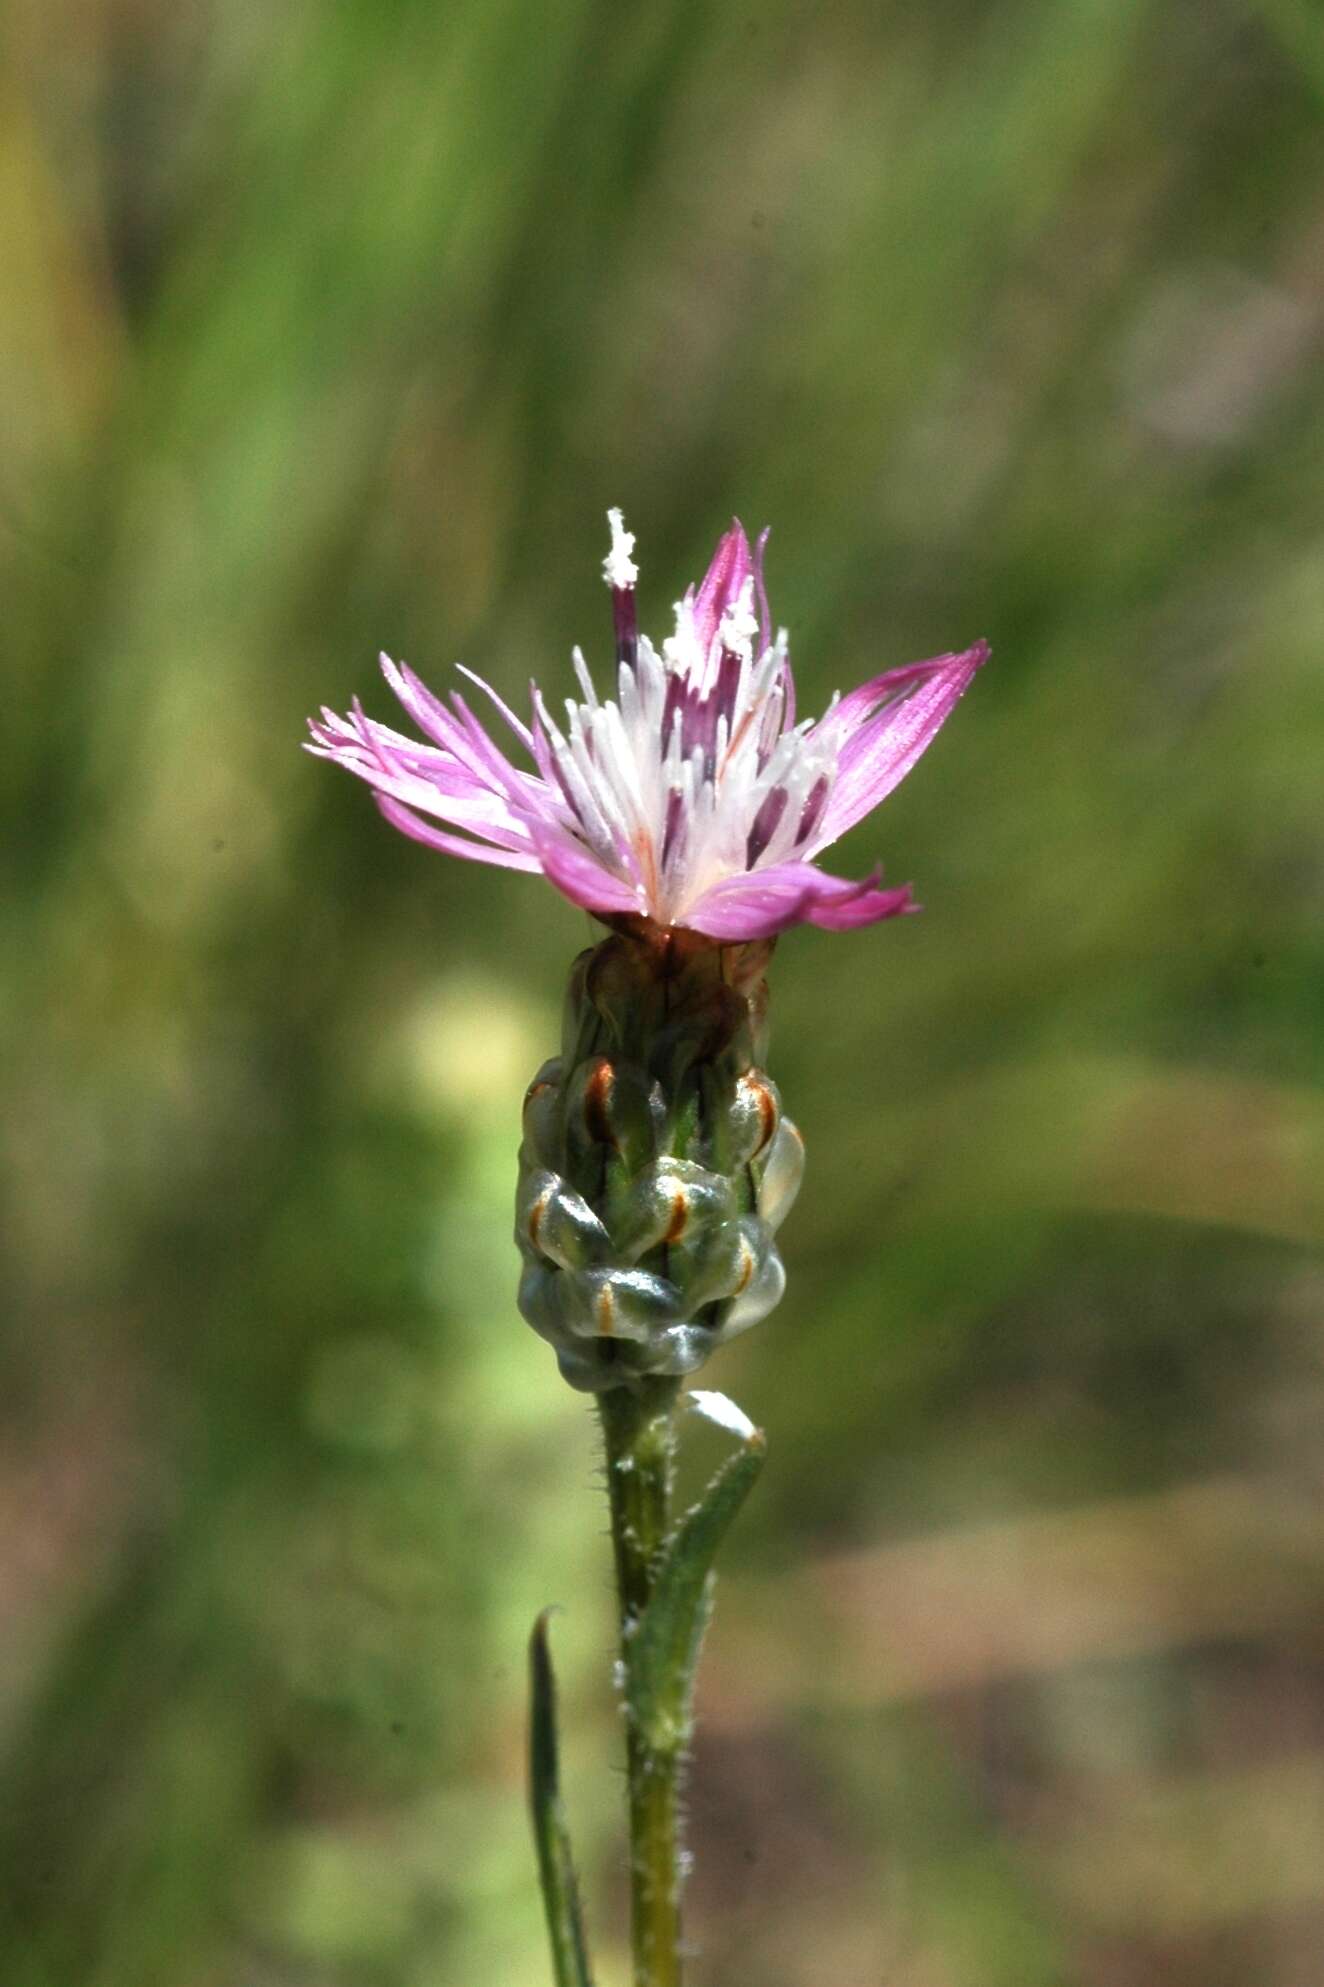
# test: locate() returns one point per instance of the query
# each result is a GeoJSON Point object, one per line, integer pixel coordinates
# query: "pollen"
{"type": "Point", "coordinates": [618, 568]}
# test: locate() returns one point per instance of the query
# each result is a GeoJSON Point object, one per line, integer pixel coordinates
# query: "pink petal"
{"type": "Point", "coordinates": [865, 907]}
{"type": "Point", "coordinates": [763, 902]}
{"type": "Point", "coordinates": [517, 725]}
{"type": "Point", "coordinates": [502, 773]}
{"type": "Point", "coordinates": [787, 682]}
{"type": "Point", "coordinates": [578, 874]}
{"type": "Point", "coordinates": [463, 737]}
{"type": "Point", "coordinates": [408, 823]}
{"type": "Point", "coordinates": [449, 790]}
{"type": "Point", "coordinates": [423, 706]}
{"type": "Point", "coordinates": [720, 586]}
{"type": "Point", "coordinates": [883, 728]}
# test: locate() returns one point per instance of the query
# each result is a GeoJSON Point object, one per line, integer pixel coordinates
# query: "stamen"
{"type": "Point", "coordinates": [583, 796]}
{"type": "Point", "coordinates": [729, 673]}
{"type": "Point", "coordinates": [681, 651]}
{"type": "Point", "coordinates": [772, 727]}
{"type": "Point", "coordinates": [674, 709]}
{"type": "Point", "coordinates": [621, 575]}
{"type": "Point", "coordinates": [675, 821]}
{"type": "Point", "coordinates": [765, 619]}
{"type": "Point", "coordinates": [626, 625]}
{"type": "Point", "coordinates": [765, 825]}
{"type": "Point", "coordinates": [585, 680]}
{"type": "Point", "coordinates": [813, 809]}
{"type": "Point", "coordinates": [716, 754]}
{"type": "Point", "coordinates": [695, 769]}
{"type": "Point", "coordinates": [739, 624]}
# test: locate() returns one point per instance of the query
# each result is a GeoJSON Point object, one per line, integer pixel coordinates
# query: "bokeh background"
{"type": "Point", "coordinates": [331, 328]}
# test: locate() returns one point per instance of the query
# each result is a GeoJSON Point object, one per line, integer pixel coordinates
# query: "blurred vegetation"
{"type": "Point", "coordinates": [331, 329]}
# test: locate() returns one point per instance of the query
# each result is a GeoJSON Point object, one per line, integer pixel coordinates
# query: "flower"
{"type": "Point", "coordinates": [693, 797]}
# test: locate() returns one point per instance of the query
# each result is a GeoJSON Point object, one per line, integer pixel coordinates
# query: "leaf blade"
{"type": "Point", "coordinates": [556, 1867]}
{"type": "Point", "coordinates": [664, 1653]}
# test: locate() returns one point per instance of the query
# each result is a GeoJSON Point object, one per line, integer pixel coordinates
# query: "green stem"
{"type": "Point", "coordinates": [639, 1434]}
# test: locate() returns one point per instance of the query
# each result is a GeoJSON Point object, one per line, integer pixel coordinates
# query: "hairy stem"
{"type": "Point", "coordinates": [639, 1435]}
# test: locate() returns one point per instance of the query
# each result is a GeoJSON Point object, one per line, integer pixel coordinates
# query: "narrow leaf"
{"type": "Point", "coordinates": [665, 1651]}
{"type": "Point", "coordinates": [556, 1868]}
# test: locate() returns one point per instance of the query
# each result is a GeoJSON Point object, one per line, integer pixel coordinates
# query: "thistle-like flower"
{"type": "Point", "coordinates": [692, 798]}
{"type": "Point", "coordinates": [686, 813]}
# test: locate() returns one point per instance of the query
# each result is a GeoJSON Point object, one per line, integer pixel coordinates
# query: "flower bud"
{"type": "Point", "coordinates": [656, 1162]}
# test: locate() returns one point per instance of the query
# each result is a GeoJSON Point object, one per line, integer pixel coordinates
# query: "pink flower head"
{"type": "Point", "coordinates": [692, 797]}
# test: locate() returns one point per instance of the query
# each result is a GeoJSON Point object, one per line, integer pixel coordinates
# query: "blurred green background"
{"type": "Point", "coordinates": [326, 329]}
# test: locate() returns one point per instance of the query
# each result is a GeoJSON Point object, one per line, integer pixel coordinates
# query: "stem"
{"type": "Point", "coordinates": [639, 1434]}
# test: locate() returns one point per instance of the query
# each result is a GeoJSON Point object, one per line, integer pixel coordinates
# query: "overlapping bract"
{"type": "Point", "coordinates": [656, 1164]}
{"type": "Point", "coordinates": [693, 797]}
{"type": "Point", "coordinates": [687, 1262]}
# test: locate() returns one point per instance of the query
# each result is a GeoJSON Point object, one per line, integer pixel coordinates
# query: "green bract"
{"type": "Point", "coordinates": [656, 1163]}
